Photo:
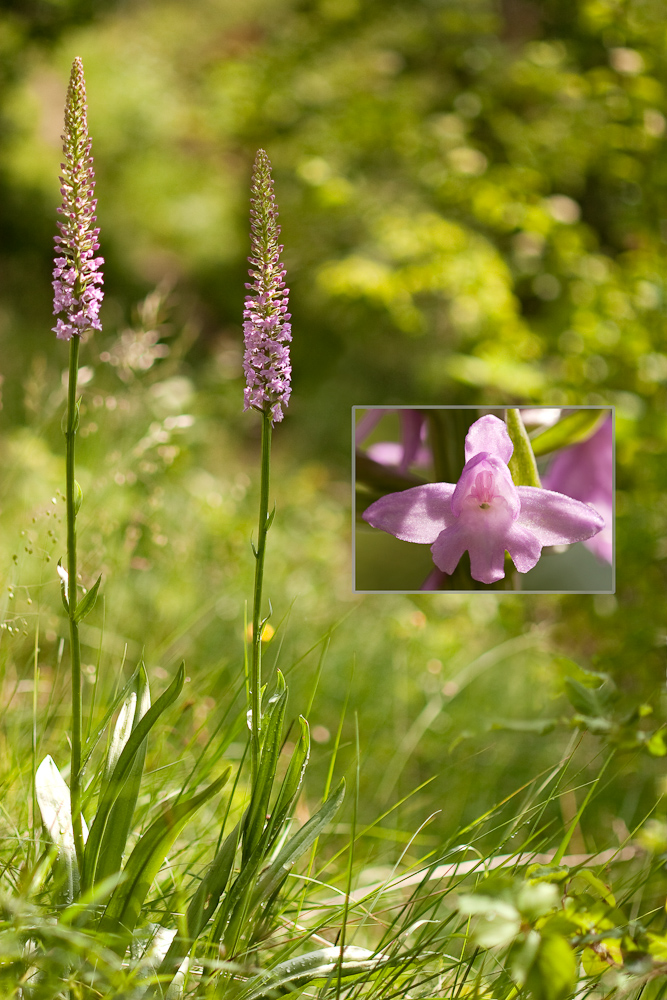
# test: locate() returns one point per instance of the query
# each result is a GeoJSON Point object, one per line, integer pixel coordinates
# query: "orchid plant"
{"type": "Point", "coordinates": [498, 505]}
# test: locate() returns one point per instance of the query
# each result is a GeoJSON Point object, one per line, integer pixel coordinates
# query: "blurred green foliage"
{"type": "Point", "coordinates": [472, 197]}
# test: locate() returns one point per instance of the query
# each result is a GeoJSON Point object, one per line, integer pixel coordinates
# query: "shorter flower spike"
{"type": "Point", "coordinates": [76, 276]}
{"type": "Point", "coordinates": [266, 322]}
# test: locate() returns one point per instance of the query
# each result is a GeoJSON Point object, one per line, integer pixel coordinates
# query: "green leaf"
{"type": "Point", "coordinates": [124, 907]}
{"type": "Point", "coordinates": [293, 779]}
{"type": "Point", "coordinates": [93, 740]}
{"type": "Point", "coordinates": [120, 774]}
{"type": "Point", "coordinates": [117, 829]}
{"type": "Point", "coordinates": [553, 974]}
{"type": "Point", "coordinates": [78, 492]}
{"type": "Point", "coordinates": [522, 464]}
{"type": "Point", "coordinates": [304, 969]}
{"type": "Point", "coordinates": [87, 602]}
{"type": "Point", "coordinates": [572, 429]}
{"type": "Point", "coordinates": [261, 793]}
{"type": "Point", "coordinates": [289, 854]}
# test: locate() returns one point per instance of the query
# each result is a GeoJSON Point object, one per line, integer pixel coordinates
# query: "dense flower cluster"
{"type": "Point", "coordinates": [77, 279]}
{"type": "Point", "coordinates": [266, 322]}
{"type": "Point", "coordinates": [484, 513]}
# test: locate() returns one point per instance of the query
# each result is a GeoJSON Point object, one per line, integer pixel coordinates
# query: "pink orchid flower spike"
{"type": "Point", "coordinates": [484, 513]}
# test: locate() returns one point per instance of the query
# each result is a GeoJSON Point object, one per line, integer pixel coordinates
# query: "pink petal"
{"type": "Point", "coordinates": [556, 519]}
{"type": "Point", "coordinates": [483, 531]}
{"type": "Point", "coordinates": [503, 484]}
{"type": "Point", "coordinates": [523, 546]}
{"type": "Point", "coordinates": [415, 515]}
{"type": "Point", "coordinates": [489, 434]}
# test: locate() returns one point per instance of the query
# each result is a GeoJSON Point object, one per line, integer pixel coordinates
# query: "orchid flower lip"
{"type": "Point", "coordinates": [484, 513]}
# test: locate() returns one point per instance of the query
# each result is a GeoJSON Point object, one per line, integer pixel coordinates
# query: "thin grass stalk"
{"type": "Point", "coordinates": [75, 645]}
{"type": "Point", "coordinates": [263, 526]}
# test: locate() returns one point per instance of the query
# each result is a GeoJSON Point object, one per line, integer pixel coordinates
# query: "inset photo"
{"type": "Point", "coordinates": [495, 498]}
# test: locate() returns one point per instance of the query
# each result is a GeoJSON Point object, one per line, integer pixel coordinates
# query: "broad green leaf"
{"type": "Point", "coordinates": [120, 774]}
{"type": "Point", "coordinates": [124, 907]}
{"type": "Point", "coordinates": [553, 974]}
{"type": "Point", "coordinates": [522, 464]}
{"type": "Point", "coordinates": [87, 602]}
{"type": "Point", "coordinates": [53, 798]}
{"type": "Point", "coordinates": [261, 793]}
{"type": "Point", "coordinates": [289, 854]}
{"type": "Point", "coordinates": [572, 429]}
{"type": "Point", "coordinates": [120, 818]}
{"type": "Point", "coordinates": [321, 964]}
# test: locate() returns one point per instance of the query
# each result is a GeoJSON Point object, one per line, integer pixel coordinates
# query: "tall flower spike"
{"type": "Point", "coordinates": [76, 276]}
{"type": "Point", "coordinates": [266, 322]}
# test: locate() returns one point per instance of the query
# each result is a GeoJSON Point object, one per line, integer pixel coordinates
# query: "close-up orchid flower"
{"type": "Point", "coordinates": [485, 513]}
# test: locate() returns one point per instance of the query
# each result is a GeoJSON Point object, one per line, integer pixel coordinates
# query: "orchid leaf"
{"type": "Point", "coordinates": [572, 429]}
{"type": "Point", "coordinates": [289, 854]}
{"type": "Point", "coordinates": [124, 907]}
{"type": "Point", "coordinates": [120, 819]}
{"type": "Point", "coordinates": [87, 602]}
{"type": "Point", "coordinates": [259, 804]}
{"type": "Point", "coordinates": [121, 772]}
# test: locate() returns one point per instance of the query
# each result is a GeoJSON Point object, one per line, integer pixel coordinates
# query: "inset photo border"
{"type": "Point", "coordinates": [461, 498]}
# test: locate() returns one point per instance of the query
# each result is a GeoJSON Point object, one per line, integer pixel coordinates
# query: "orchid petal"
{"type": "Point", "coordinates": [414, 515]}
{"type": "Point", "coordinates": [489, 434]}
{"type": "Point", "coordinates": [503, 485]}
{"type": "Point", "coordinates": [523, 546]}
{"type": "Point", "coordinates": [556, 519]}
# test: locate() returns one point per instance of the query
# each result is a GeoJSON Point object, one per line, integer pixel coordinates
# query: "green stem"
{"type": "Point", "coordinates": [257, 624]}
{"type": "Point", "coordinates": [72, 597]}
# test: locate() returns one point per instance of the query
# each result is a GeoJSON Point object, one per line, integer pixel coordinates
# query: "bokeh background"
{"type": "Point", "coordinates": [472, 196]}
